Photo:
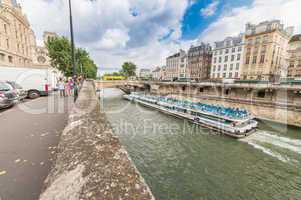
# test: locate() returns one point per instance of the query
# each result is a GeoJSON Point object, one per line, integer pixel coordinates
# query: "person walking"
{"type": "Point", "coordinates": [61, 86]}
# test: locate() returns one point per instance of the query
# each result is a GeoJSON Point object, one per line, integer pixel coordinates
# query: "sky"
{"type": "Point", "coordinates": [147, 31]}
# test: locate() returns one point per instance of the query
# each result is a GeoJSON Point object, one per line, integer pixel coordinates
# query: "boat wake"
{"type": "Point", "coordinates": [269, 144]}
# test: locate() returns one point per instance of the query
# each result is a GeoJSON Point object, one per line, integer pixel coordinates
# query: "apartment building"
{"type": "Point", "coordinates": [173, 65]}
{"type": "Point", "coordinates": [227, 58]}
{"type": "Point", "coordinates": [294, 57]}
{"type": "Point", "coordinates": [265, 50]}
{"type": "Point", "coordinates": [199, 62]}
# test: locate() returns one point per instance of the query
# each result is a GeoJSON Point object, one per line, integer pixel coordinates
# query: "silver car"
{"type": "Point", "coordinates": [22, 94]}
{"type": "Point", "coordinates": [7, 96]}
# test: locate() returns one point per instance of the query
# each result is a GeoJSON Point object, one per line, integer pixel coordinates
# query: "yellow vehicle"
{"type": "Point", "coordinates": [113, 78]}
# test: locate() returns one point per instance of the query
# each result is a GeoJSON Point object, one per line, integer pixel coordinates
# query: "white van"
{"type": "Point", "coordinates": [36, 81]}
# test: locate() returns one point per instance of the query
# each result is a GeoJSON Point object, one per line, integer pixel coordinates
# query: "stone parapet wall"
{"type": "Point", "coordinates": [91, 162]}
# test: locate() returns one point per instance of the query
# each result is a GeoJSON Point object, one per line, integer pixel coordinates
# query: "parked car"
{"type": "Point", "coordinates": [22, 94]}
{"type": "Point", "coordinates": [7, 96]}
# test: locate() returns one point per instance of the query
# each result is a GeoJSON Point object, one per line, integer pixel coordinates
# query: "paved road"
{"type": "Point", "coordinates": [29, 134]}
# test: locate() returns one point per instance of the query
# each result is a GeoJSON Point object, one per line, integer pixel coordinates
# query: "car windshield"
{"type": "Point", "coordinates": [15, 85]}
{"type": "Point", "coordinates": [4, 87]}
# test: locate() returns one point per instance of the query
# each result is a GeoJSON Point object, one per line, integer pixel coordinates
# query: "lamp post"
{"type": "Point", "coordinates": [72, 51]}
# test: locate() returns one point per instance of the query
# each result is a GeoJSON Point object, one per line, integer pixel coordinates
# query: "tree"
{"type": "Point", "coordinates": [59, 51]}
{"type": "Point", "coordinates": [128, 69]}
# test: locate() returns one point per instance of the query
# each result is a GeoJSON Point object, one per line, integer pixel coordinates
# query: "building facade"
{"type": "Point", "coordinates": [183, 74]}
{"type": "Point", "coordinates": [156, 74]}
{"type": "Point", "coordinates": [173, 65]}
{"type": "Point", "coordinates": [17, 39]}
{"type": "Point", "coordinates": [227, 58]}
{"type": "Point", "coordinates": [265, 50]}
{"type": "Point", "coordinates": [145, 74]}
{"type": "Point", "coordinates": [199, 62]}
{"type": "Point", "coordinates": [41, 57]}
{"type": "Point", "coordinates": [294, 57]}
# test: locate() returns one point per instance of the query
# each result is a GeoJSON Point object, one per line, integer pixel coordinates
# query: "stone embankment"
{"type": "Point", "coordinates": [91, 162]}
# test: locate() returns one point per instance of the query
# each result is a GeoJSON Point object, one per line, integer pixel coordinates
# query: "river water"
{"type": "Point", "coordinates": [180, 160]}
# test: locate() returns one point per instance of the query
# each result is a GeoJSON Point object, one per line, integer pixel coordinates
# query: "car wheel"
{"type": "Point", "coordinates": [33, 94]}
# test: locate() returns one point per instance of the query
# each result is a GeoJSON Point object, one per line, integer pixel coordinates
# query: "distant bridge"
{"type": "Point", "coordinates": [124, 85]}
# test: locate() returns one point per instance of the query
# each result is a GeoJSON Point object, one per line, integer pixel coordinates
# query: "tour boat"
{"type": "Point", "coordinates": [233, 122]}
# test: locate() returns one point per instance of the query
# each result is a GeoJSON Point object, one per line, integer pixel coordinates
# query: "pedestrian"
{"type": "Point", "coordinates": [71, 87]}
{"type": "Point", "coordinates": [67, 89]}
{"type": "Point", "coordinates": [61, 86]}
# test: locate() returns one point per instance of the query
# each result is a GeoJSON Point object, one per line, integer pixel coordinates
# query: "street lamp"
{"type": "Point", "coordinates": [72, 51]}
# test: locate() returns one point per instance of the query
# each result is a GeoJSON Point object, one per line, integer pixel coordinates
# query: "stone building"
{"type": "Point", "coordinates": [227, 58]}
{"type": "Point", "coordinates": [40, 57]}
{"type": "Point", "coordinates": [173, 65]}
{"type": "Point", "coordinates": [17, 39]}
{"type": "Point", "coordinates": [265, 50]}
{"type": "Point", "coordinates": [199, 62]}
{"type": "Point", "coordinates": [294, 57]}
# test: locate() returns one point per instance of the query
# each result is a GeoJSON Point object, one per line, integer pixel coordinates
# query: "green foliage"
{"type": "Point", "coordinates": [128, 69]}
{"type": "Point", "coordinates": [59, 50]}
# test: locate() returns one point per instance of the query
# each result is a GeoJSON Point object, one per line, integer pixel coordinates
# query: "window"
{"type": "Point", "coordinates": [233, 49]}
{"type": "Point", "coordinates": [220, 59]}
{"type": "Point", "coordinates": [265, 39]}
{"type": "Point", "coordinates": [220, 52]}
{"type": "Point", "coordinates": [5, 28]}
{"type": "Point", "coordinates": [232, 57]}
{"type": "Point", "coordinates": [227, 51]}
{"type": "Point", "coordinates": [214, 68]}
{"type": "Point", "coordinates": [230, 75]}
{"type": "Point", "coordinates": [215, 53]}
{"type": "Point", "coordinates": [239, 49]}
{"type": "Point", "coordinates": [238, 57]}
{"type": "Point", "coordinates": [236, 74]}
{"type": "Point", "coordinates": [254, 60]}
{"type": "Point", "coordinates": [237, 66]}
{"type": "Point", "coordinates": [201, 90]}
{"type": "Point", "coordinates": [224, 75]}
{"type": "Point", "coordinates": [248, 60]}
{"type": "Point", "coordinates": [262, 57]}
{"type": "Point", "coordinates": [231, 67]}
{"type": "Point", "coordinates": [226, 58]}
{"type": "Point", "coordinates": [257, 40]}
{"type": "Point", "coordinates": [219, 68]}
{"type": "Point", "coordinates": [250, 41]}
{"type": "Point", "coordinates": [225, 67]}
{"type": "Point", "coordinates": [2, 56]}
{"type": "Point", "coordinates": [7, 43]}
{"type": "Point", "coordinates": [10, 59]}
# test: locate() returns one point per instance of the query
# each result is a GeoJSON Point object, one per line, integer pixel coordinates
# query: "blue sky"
{"type": "Point", "coordinates": [193, 22]}
{"type": "Point", "coordinates": [147, 31]}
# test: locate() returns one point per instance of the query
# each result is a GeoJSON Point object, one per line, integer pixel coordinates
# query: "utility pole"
{"type": "Point", "coordinates": [72, 51]}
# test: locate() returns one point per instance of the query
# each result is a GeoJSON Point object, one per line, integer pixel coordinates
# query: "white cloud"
{"type": "Point", "coordinates": [109, 30]}
{"type": "Point", "coordinates": [113, 39]}
{"type": "Point", "coordinates": [112, 34]}
{"type": "Point", "coordinates": [210, 9]}
{"type": "Point", "coordinates": [233, 22]}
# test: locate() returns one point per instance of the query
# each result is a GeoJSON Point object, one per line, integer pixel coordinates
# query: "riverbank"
{"type": "Point", "coordinates": [92, 163]}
